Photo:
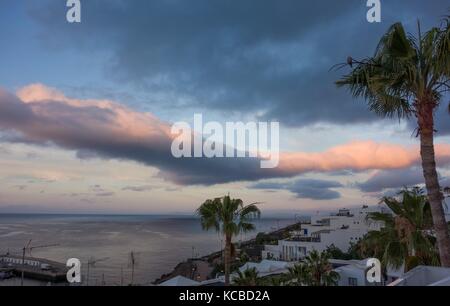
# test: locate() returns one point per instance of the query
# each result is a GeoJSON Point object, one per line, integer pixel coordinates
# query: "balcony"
{"type": "Point", "coordinates": [304, 239]}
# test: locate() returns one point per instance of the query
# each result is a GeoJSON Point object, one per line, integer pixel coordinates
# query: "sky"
{"type": "Point", "coordinates": [86, 108]}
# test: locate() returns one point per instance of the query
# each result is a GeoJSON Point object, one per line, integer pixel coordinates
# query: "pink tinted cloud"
{"type": "Point", "coordinates": [126, 121]}
{"type": "Point", "coordinates": [359, 155]}
{"type": "Point", "coordinates": [110, 130]}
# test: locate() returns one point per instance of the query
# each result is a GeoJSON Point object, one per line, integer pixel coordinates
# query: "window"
{"type": "Point", "coordinates": [352, 281]}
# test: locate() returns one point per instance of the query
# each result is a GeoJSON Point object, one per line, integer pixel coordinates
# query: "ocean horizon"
{"type": "Point", "coordinates": [159, 242]}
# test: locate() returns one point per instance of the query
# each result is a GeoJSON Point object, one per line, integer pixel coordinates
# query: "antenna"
{"type": "Point", "coordinates": [91, 263]}
{"type": "Point", "coordinates": [29, 248]}
{"type": "Point", "coordinates": [132, 262]}
{"type": "Point", "coordinates": [121, 276]}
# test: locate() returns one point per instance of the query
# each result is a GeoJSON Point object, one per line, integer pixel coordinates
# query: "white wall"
{"type": "Point", "coordinates": [342, 231]}
{"type": "Point", "coordinates": [350, 271]}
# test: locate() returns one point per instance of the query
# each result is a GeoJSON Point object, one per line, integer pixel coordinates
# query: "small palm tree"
{"type": "Point", "coordinates": [320, 269]}
{"type": "Point", "coordinates": [407, 77]}
{"type": "Point", "coordinates": [230, 217]}
{"type": "Point", "coordinates": [247, 278]}
{"type": "Point", "coordinates": [405, 237]}
{"type": "Point", "coordinates": [384, 245]}
{"type": "Point", "coordinates": [277, 280]}
{"type": "Point", "coordinates": [299, 275]}
{"type": "Point", "coordinates": [316, 270]}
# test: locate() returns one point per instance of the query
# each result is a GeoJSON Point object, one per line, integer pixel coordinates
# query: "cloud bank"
{"type": "Point", "coordinates": [41, 115]}
{"type": "Point", "coordinates": [245, 56]}
{"type": "Point", "coordinates": [305, 188]}
{"type": "Point", "coordinates": [396, 179]}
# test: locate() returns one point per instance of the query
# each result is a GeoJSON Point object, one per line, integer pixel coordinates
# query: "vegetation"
{"type": "Point", "coordinates": [407, 77]}
{"type": "Point", "coordinates": [229, 217]}
{"type": "Point", "coordinates": [406, 237]}
{"type": "Point", "coordinates": [268, 238]}
{"type": "Point", "coordinates": [314, 271]}
{"type": "Point", "coordinates": [247, 278]}
{"type": "Point", "coordinates": [243, 258]}
{"type": "Point", "coordinates": [337, 253]}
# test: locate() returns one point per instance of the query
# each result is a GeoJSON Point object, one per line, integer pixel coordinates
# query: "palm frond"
{"type": "Point", "coordinates": [405, 71]}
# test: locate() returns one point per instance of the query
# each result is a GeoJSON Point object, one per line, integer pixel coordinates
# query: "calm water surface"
{"type": "Point", "coordinates": [159, 242]}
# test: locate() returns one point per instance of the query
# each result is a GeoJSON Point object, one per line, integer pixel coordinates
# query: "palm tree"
{"type": "Point", "coordinates": [247, 278]}
{"type": "Point", "coordinates": [230, 217]}
{"type": "Point", "coordinates": [407, 77]}
{"type": "Point", "coordinates": [321, 270]}
{"type": "Point", "coordinates": [384, 244]}
{"type": "Point", "coordinates": [299, 275]}
{"type": "Point", "coordinates": [405, 237]}
{"type": "Point", "coordinates": [314, 271]}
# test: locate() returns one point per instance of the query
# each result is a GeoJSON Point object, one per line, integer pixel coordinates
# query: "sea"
{"type": "Point", "coordinates": [158, 242]}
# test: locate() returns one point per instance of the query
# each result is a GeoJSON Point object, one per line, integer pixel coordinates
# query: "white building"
{"type": "Point", "coordinates": [424, 276]}
{"type": "Point", "coordinates": [338, 229]}
{"type": "Point", "coordinates": [179, 281]}
{"type": "Point", "coordinates": [354, 273]}
{"type": "Point", "coordinates": [268, 267]}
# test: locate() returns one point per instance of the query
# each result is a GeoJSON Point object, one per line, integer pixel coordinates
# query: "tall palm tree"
{"type": "Point", "coordinates": [405, 238]}
{"type": "Point", "coordinates": [230, 217]}
{"type": "Point", "coordinates": [407, 77]}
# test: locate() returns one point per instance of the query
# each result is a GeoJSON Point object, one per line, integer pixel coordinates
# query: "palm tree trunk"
{"type": "Point", "coordinates": [426, 125]}
{"type": "Point", "coordinates": [227, 258]}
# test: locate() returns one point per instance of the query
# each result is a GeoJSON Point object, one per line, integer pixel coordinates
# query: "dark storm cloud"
{"type": "Point", "coordinates": [234, 55]}
{"type": "Point", "coordinates": [388, 179]}
{"type": "Point", "coordinates": [389, 182]}
{"type": "Point", "coordinates": [305, 188]}
{"type": "Point", "coordinates": [108, 130]}
{"type": "Point", "coordinates": [111, 131]}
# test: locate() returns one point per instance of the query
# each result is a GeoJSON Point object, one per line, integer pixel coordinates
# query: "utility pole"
{"type": "Point", "coordinates": [30, 248]}
{"type": "Point", "coordinates": [92, 262]}
{"type": "Point", "coordinates": [23, 264]}
{"type": "Point", "coordinates": [132, 262]}
{"type": "Point", "coordinates": [121, 276]}
{"type": "Point", "coordinates": [87, 274]}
